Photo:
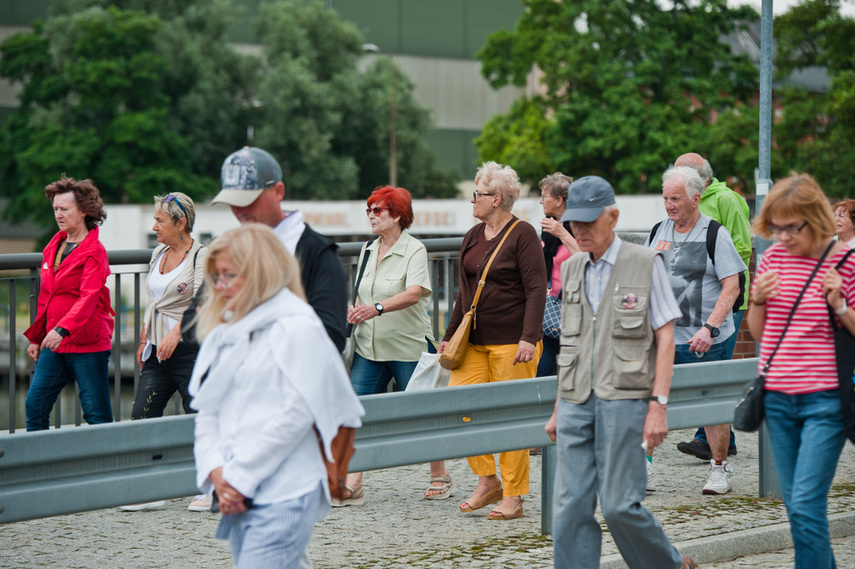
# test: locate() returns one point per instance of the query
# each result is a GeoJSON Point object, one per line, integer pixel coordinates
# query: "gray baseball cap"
{"type": "Point", "coordinates": [586, 198]}
{"type": "Point", "coordinates": [245, 174]}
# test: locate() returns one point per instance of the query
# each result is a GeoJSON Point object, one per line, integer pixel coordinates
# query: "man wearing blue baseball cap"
{"type": "Point", "coordinates": [612, 388]}
{"type": "Point", "coordinates": [252, 186]}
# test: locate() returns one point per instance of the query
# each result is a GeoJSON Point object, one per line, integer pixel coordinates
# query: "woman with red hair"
{"type": "Point", "coordinates": [390, 316]}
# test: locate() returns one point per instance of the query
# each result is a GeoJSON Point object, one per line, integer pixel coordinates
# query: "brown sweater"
{"type": "Point", "coordinates": [511, 305]}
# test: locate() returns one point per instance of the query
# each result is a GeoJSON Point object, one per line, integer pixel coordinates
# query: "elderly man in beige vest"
{"type": "Point", "coordinates": [612, 388]}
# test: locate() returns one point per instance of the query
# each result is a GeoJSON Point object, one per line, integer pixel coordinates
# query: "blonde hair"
{"type": "Point", "coordinates": [175, 212]}
{"type": "Point", "coordinates": [502, 180]}
{"type": "Point", "coordinates": [797, 196]}
{"type": "Point", "coordinates": [265, 264]}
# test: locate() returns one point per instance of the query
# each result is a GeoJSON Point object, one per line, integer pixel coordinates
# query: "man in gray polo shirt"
{"type": "Point", "coordinates": [612, 388]}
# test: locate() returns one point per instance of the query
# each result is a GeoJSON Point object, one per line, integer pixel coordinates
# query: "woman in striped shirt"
{"type": "Point", "coordinates": [803, 410]}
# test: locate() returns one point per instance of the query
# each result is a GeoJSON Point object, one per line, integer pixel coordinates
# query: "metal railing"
{"type": "Point", "coordinates": [127, 302]}
{"type": "Point", "coordinates": [64, 471]}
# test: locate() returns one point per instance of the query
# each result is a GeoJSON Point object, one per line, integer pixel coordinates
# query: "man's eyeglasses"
{"type": "Point", "coordinates": [791, 229]}
{"type": "Point", "coordinates": [171, 198]}
{"type": "Point", "coordinates": [375, 210]}
{"type": "Point", "coordinates": [476, 193]}
{"type": "Point", "coordinates": [223, 280]}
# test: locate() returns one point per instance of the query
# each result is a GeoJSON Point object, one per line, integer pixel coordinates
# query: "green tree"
{"type": "Point", "coordinates": [816, 133]}
{"type": "Point", "coordinates": [628, 86]}
{"type": "Point", "coordinates": [140, 105]}
{"type": "Point", "coordinates": [328, 123]}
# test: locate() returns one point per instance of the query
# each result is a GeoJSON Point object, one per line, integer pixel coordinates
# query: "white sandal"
{"type": "Point", "coordinates": [357, 498]}
{"type": "Point", "coordinates": [445, 491]}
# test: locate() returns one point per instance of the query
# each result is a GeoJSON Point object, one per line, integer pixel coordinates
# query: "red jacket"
{"type": "Point", "coordinates": [75, 297]}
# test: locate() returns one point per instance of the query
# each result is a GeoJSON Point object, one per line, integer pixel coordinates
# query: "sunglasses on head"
{"type": "Point", "coordinates": [171, 198]}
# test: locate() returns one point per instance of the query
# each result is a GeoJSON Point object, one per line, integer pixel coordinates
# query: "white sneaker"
{"type": "Point", "coordinates": [201, 503]}
{"type": "Point", "coordinates": [718, 481]}
{"type": "Point", "coordinates": [651, 484]}
{"type": "Point", "coordinates": [142, 507]}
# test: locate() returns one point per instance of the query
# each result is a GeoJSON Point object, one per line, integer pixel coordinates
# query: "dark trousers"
{"type": "Point", "coordinates": [159, 380]}
{"type": "Point", "coordinates": [547, 365]}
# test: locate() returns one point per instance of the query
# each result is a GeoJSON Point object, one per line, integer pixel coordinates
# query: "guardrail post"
{"type": "Point", "coordinates": [769, 484]}
{"type": "Point", "coordinates": [548, 462]}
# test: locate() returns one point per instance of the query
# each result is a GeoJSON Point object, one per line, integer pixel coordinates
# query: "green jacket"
{"type": "Point", "coordinates": [730, 209]}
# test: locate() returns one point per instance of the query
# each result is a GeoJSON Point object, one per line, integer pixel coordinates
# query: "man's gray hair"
{"type": "Point", "coordinates": [692, 181]}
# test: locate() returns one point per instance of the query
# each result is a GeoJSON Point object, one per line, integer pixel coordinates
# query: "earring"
{"type": "Point", "coordinates": [182, 237]}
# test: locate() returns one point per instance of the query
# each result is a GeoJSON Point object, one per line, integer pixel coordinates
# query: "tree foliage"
{"type": "Point", "coordinates": [146, 97]}
{"type": "Point", "coordinates": [628, 86]}
{"type": "Point", "coordinates": [328, 123]}
{"type": "Point", "coordinates": [816, 133]}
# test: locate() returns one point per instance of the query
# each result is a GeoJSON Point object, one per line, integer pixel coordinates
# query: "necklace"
{"type": "Point", "coordinates": [689, 232]}
{"type": "Point", "coordinates": [166, 256]}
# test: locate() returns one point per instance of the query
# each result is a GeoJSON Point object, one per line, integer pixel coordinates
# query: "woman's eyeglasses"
{"type": "Point", "coordinates": [476, 193]}
{"type": "Point", "coordinates": [791, 229]}
{"type": "Point", "coordinates": [223, 280]}
{"type": "Point", "coordinates": [375, 210]}
{"type": "Point", "coordinates": [171, 198]}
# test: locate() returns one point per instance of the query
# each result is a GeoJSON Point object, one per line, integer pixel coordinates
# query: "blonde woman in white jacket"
{"type": "Point", "coordinates": [267, 373]}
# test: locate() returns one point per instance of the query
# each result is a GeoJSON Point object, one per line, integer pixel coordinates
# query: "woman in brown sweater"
{"type": "Point", "coordinates": [505, 341]}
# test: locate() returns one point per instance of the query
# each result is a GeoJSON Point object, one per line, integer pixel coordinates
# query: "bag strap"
{"type": "Point", "coordinates": [364, 256]}
{"type": "Point", "coordinates": [793, 310]}
{"type": "Point", "coordinates": [490, 262]}
{"type": "Point", "coordinates": [837, 266]}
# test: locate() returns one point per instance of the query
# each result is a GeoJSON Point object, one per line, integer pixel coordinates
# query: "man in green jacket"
{"type": "Point", "coordinates": [730, 209]}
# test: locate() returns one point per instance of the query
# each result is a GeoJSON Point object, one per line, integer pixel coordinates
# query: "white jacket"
{"type": "Point", "coordinates": [261, 396]}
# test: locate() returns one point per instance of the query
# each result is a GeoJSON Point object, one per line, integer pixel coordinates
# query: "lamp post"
{"type": "Point", "coordinates": [393, 158]}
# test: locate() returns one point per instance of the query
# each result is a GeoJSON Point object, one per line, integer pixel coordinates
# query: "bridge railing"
{"type": "Point", "coordinates": [19, 283]}
{"type": "Point", "coordinates": [64, 471]}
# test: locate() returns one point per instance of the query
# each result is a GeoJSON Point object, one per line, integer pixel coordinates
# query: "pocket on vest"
{"type": "Point", "coordinates": [567, 363]}
{"type": "Point", "coordinates": [571, 319]}
{"type": "Point", "coordinates": [631, 367]}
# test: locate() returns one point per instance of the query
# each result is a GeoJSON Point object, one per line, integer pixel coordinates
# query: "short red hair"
{"type": "Point", "coordinates": [398, 200]}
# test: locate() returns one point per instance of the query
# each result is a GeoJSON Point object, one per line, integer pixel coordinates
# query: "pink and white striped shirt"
{"type": "Point", "coordinates": [805, 362]}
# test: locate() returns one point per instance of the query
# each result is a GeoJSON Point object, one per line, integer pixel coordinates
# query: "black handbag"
{"type": "Point", "coordinates": [750, 409]}
{"type": "Point", "coordinates": [844, 347]}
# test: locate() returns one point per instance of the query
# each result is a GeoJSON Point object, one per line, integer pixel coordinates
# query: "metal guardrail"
{"type": "Point", "coordinates": [442, 253]}
{"type": "Point", "coordinates": [73, 470]}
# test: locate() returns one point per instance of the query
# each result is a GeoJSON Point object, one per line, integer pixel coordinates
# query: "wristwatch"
{"type": "Point", "coordinates": [661, 399]}
{"type": "Point", "coordinates": [714, 332]}
{"type": "Point", "coordinates": [379, 308]}
{"type": "Point", "coordinates": [843, 309]}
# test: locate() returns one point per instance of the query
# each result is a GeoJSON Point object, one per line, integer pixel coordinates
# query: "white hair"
{"type": "Point", "coordinates": [692, 181]}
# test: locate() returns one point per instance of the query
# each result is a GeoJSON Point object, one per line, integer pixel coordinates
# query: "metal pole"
{"type": "Point", "coordinates": [393, 158]}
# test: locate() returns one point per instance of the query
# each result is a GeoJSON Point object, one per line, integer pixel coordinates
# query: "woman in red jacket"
{"type": "Point", "coordinates": [71, 336]}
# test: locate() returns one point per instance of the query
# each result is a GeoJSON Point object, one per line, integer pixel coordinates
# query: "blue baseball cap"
{"type": "Point", "coordinates": [586, 198]}
{"type": "Point", "coordinates": [245, 174]}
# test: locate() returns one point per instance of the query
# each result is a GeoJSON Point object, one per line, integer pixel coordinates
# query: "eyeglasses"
{"type": "Point", "coordinates": [171, 198]}
{"type": "Point", "coordinates": [791, 229]}
{"type": "Point", "coordinates": [476, 193]}
{"type": "Point", "coordinates": [223, 280]}
{"type": "Point", "coordinates": [375, 210]}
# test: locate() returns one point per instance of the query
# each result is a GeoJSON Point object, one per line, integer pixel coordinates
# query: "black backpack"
{"type": "Point", "coordinates": [712, 237]}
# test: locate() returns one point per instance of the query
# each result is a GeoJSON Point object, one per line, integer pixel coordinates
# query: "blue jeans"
{"type": "Point", "coordinates": [599, 454]}
{"type": "Point", "coordinates": [547, 366]}
{"type": "Point", "coordinates": [738, 316]}
{"type": "Point", "coordinates": [369, 377]}
{"type": "Point", "coordinates": [54, 371]}
{"type": "Point", "coordinates": [718, 352]}
{"type": "Point", "coordinates": [806, 433]}
{"type": "Point", "coordinates": [159, 380]}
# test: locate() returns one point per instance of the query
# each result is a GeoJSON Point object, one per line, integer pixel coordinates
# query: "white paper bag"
{"type": "Point", "coordinates": [428, 374]}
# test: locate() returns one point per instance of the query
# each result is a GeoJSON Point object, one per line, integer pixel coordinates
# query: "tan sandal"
{"type": "Point", "coordinates": [357, 498]}
{"type": "Point", "coordinates": [445, 491]}
{"type": "Point", "coordinates": [478, 502]}
{"type": "Point", "coordinates": [688, 563]}
{"type": "Point", "coordinates": [500, 513]}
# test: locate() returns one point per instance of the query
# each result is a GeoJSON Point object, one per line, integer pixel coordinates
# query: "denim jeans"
{"type": "Point", "coordinates": [159, 380]}
{"type": "Point", "coordinates": [547, 365]}
{"type": "Point", "coordinates": [738, 316]}
{"type": "Point", "coordinates": [369, 377]}
{"type": "Point", "coordinates": [54, 371]}
{"type": "Point", "coordinates": [717, 353]}
{"type": "Point", "coordinates": [806, 434]}
{"type": "Point", "coordinates": [599, 455]}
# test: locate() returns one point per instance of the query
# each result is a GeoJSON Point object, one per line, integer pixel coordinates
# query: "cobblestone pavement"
{"type": "Point", "coordinates": [396, 529]}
